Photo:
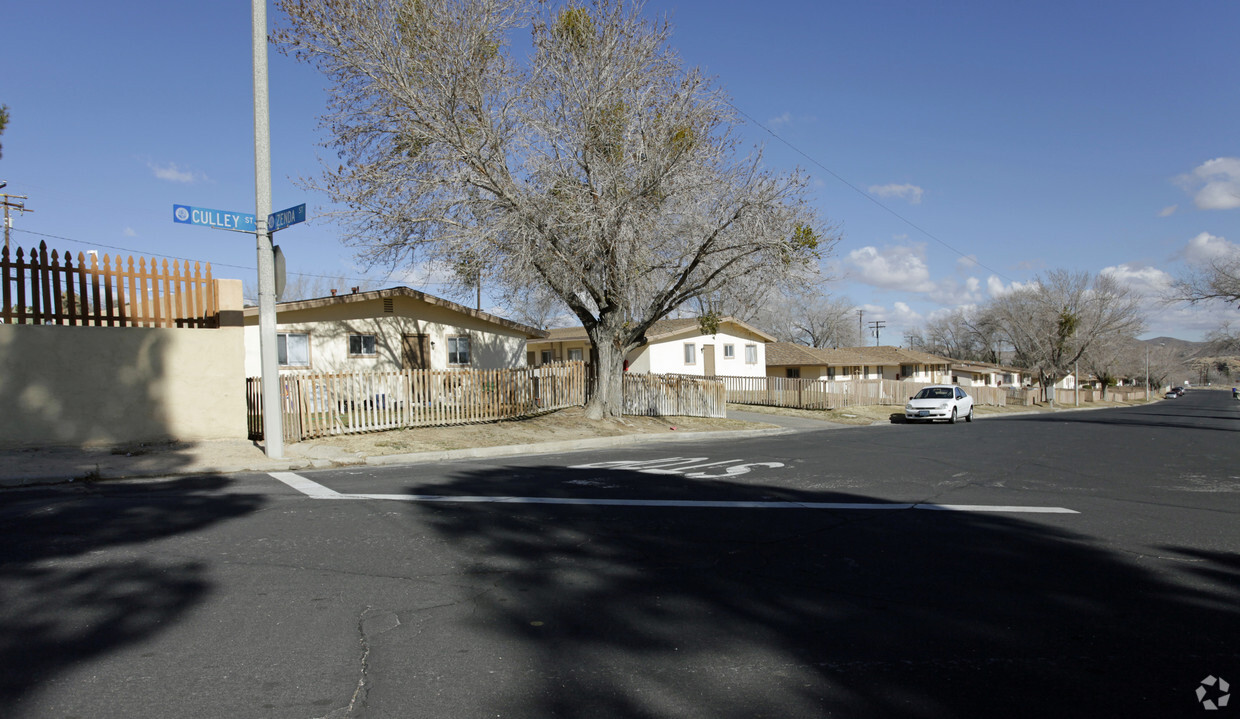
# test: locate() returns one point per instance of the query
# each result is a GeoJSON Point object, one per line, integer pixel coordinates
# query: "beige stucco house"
{"type": "Point", "coordinates": [676, 346]}
{"type": "Point", "coordinates": [392, 329]}
{"type": "Point", "coordinates": [985, 374]}
{"type": "Point", "coordinates": [785, 359]}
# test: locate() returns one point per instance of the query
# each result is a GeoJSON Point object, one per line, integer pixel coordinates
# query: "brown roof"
{"type": "Point", "coordinates": [789, 354]}
{"type": "Point", "coordinates": [657, 331]}
{"type": "Point", "coordinates": [531, 332]}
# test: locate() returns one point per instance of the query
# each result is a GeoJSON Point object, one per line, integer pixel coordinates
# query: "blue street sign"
{"type": "Point", "coordinates": [221, 219]}
{"type": "Point", "coordinates": [284, 218]}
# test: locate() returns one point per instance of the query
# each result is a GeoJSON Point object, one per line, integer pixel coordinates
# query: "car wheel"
{"type": "Point", "coordinates": [953, 417]}
{"type": "Point", "coordinates": [969, 416]}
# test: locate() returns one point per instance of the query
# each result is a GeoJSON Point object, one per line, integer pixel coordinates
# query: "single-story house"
{"type": "Point", "coordinates": [676, 346]}
{"type": "Point", "coordinates": [985, 374]}
{"type": "Point", "coordinates": [785, 359]}
{"type": "Point", "coordinates": [382, 330]}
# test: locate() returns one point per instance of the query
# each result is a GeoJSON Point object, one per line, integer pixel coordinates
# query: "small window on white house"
{"type": "Point", "coordinates": [361, 345]}
{"type": "Point", "coordinates": [293, 349]}
{"type": "Point", "coordinates": [729, 351]}
{"type": "Point", "coordinates": [458, 350]}
{"type": "Point", "coordinates": [690, 353]}
{"type": "Point", "coordinates": [830, 373]}
{"type": "Point", "coordinates": [574, 355]}
{"type": "Point", "coordinates": [546, 357]}
{"type": "Point", "coordinates": [751, 354]}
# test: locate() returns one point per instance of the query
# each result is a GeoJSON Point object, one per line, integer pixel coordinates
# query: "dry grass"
{"type": "Point", "coordinates": [555, 426]}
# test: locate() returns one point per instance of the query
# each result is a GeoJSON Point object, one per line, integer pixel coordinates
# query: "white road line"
{"type": "Point", "coordinates": [990, 508]}
{"type": "Point", "coordinates": [305, 486]}
{"type": "Point", "coordinates": [318, 491]}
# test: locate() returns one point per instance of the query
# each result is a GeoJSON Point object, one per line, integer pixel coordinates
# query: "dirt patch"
{"type": "Point", "coordinates": [552, 427]}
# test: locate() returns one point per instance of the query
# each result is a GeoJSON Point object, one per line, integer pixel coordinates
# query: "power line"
{"type": "Point", "coordinates": [867, 195]}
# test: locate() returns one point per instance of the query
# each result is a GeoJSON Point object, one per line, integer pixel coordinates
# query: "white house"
{"type": "Point", "coordinates": [785, 359]}
{"type": "Point", "coordinates": [392, 329]}
{"type": "Point", "coordinates": [672, 347]}
{"type": "Point", "coordinates": [986, 374]}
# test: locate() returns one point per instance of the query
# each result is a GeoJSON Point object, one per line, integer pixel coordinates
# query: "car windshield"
{"type": "Point", "coordinates": [934, 393]}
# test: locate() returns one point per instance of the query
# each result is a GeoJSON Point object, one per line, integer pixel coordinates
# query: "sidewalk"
{"type": "Point", "coordinates": [27, 467]}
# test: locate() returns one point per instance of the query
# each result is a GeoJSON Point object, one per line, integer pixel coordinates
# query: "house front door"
{"type": "Point", "coordinates": [708, 360]}
{"type": "Point", "coordinates": [417, 353]}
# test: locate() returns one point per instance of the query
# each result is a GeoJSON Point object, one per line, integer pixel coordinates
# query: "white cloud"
{"type": "Point", "coordinates": [787, 120]}
{"type": "Point", "coordinates": [966, 263]}
{"type": "Point", "coordinates": [951, 291]}
{"type": "Point", "coordinates": [902, 267]}
{"type": "Point", "coordinates": [1168, 211]}
{"type": "Point", "coordinates": [996, 288]}
{"type": "Point", "coordinates": [911, 193]}
{"type": "Point", "coordinates": [1205, 248]}
{"type": "Point", "coordinates": [1215, 184]}
{"type": "Point", "coordinates": [171, 173]}
{"type": "Point", "coordinates": [777, 122]}
{"type": "Point", "coordinates": [1144, 280]}
{"type": "Point", "coordinates": [130, 232]}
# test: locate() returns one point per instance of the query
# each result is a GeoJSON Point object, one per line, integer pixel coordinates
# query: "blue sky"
{"type": "Point", "coordinates": [960, 147]}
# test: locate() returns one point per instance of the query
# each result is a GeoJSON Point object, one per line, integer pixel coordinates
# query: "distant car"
{"type": "Point", "coordinates": [940, 401]}
{"type": "Point", "coordinates": [1179, 391]}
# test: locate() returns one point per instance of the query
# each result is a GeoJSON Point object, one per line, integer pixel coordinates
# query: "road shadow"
{"type": "Point", "coordinates": [62, 606]}
{"type": "Point", "coordinates": [631, 612]}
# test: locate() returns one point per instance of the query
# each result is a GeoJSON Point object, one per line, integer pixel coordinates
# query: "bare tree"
{"type": "Point", "coordinates": [1112, 358]}
{"type": "Point", "coordinates": [970, 334]}
{"type": "Point", "coordinates": [1053, 323]}
{"type": "Point", "coordinates": [1216, 280]}
{"type": "Point", "coordinates": [537, 306]}
{"type": "Point", "coordinates": [598, 167]}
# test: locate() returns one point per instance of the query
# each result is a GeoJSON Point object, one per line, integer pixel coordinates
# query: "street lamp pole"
{"type": "Point", "coordinates": [1147, 373]}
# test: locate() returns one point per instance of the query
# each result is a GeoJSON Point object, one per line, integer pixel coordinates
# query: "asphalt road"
{"type": "Point", "coordinates": [1075, 564]}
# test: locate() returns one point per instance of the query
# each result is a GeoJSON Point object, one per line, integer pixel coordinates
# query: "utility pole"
{"type": "Point", "coordinates": [7, 201]}
{"type": "Point", "coordinates": [877, 326]}
{"type": "Point", "coordinates": [860, 326]}
{"type": "Point", "coordinates": [273, 417]}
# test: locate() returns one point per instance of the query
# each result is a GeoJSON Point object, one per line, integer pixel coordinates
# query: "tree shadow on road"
{"type": "Point", "coordinates": [631, 612]}
{"type": "Point", "coordinates": [62, 606]}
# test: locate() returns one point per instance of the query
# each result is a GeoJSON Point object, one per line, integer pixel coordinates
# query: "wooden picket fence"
{"type": "Point", "coordinates": [50, 289]}
{"type": "Point", "coordinates": [321, 405]}
{"type": "Point", "coordinates": [838, 394]}
{"type": "Point", "coordinates": [655, 395]}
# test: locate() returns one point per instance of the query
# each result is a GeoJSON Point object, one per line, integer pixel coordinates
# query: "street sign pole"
{"type": "Point", "coordinates": [273, 417]}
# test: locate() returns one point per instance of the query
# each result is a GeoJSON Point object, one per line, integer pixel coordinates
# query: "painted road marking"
{"type": "Point", "coordinates": [318, 491]}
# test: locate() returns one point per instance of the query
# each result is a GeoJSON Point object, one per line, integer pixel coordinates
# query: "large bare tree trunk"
{"type": "Point", "coordinates": [608, 398]}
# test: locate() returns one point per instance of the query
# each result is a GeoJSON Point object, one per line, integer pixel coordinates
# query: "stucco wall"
{"type": "Point", "coordinates": [491, 346]}
{"type": "Point", "coordinates": [668, 356]}
{"type": "Point", "coordinates": [81, 386]}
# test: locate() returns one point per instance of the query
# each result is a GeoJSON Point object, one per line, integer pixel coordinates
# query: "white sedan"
{"type": "Point", "coordinates": [940, 401]}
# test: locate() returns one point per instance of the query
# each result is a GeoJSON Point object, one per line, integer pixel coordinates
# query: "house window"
{"type": "Point", "coordinates": [546, 357]}
{"type": "Point", "coordinates": [751, 354]}
{"type": "Point", "coordinates": [729, 351]}
{"type": "Point", "coordinates": [574, 355]}
{"type": "Point", "coordinates": [865, 372]}
{"type": "Point", "coordinates": [293, 349]}
{"type": "Point", "coordinates": [458, 350]}
{"type": "Point", "coordinates": [794, 373]}
{"type": "Point", "coordinates": [830, 373]}
{"type": "Point", "coordinates": [690, 353]}
{"type": "Point", "coordinates": [362, 345]}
